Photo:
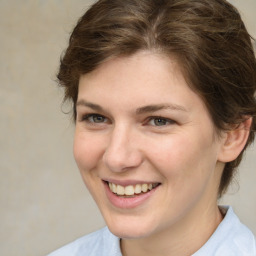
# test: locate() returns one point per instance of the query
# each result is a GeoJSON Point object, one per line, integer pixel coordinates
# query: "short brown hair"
{"type": "Point", "coordinates": [208, 38]}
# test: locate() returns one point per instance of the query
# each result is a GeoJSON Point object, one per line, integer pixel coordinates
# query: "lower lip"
{"type": "Point", "coordinates": [128, 202]}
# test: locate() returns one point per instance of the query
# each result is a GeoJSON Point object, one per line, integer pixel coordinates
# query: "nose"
{"type": "Point", "coordinates": [122, 152]}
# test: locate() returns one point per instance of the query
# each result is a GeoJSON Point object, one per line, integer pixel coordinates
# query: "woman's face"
{"type": "Point", "coordinates": [139, 123]}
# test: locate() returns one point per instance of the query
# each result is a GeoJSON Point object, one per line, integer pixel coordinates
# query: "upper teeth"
{"type": "Point", "coordinates": [130, 189]}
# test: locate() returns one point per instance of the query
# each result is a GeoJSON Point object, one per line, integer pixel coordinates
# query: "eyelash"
{"type": "Point", "coordinates": [87, 117]}
{"type": "Point", "coordinates": [159, 118]}
{"type": "Point", "coordinates": [167, 121]}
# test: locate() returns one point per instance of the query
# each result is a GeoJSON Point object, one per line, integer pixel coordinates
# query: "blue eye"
{"type": "Point", "coordinates": [94, 118]}
{"type": "Point", "coordinates": [160, 121]}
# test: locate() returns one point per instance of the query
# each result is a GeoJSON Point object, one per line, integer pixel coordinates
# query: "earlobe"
{"type": "Point", "coordinates": [234, 141]}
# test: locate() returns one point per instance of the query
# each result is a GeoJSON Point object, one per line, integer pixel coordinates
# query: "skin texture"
{"type": "Point", "coordinates": [175, 146]}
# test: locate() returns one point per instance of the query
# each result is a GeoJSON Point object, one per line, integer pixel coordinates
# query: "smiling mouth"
{"type": "Point", "coordinates": [131, 190]}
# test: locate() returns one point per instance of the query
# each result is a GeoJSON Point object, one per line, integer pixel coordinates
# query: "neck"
{"type": "Point", "coordinates": [182, 239]}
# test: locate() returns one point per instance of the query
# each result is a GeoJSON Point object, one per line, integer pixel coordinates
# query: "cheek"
{"type": "Point", "coordinates": [186, 157]}
{"type": "Point", "coordinates": [87, 151]}
{"type": "Point", "coordinates": [169, 153]}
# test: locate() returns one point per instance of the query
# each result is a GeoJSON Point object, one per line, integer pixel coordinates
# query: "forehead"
{"type": "Point", "coordinates": [145, 67]}
{"type": "Point", "coordinates": [143, 78]}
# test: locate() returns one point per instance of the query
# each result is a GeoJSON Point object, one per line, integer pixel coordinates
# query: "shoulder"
{"type": "Point", "coordinates": [231, 238]}
{"type": "Point", "coordinates": [93, 244]}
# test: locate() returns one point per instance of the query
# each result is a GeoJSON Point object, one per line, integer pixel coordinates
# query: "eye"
{"type": "Point", "coordinates": [160, 121]}
{"type": "Point", "coordinates": [94, 118]}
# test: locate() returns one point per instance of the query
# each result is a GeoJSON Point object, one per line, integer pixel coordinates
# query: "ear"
{"type": "Point", "coordinates": [234, 141]}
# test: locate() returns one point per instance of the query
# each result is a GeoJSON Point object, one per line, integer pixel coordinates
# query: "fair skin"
{"type": "Point", "coordinates": [138, 123]}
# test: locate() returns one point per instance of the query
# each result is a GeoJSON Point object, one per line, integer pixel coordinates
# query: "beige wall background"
{"type": "Point", "coordinates": [43, 201]}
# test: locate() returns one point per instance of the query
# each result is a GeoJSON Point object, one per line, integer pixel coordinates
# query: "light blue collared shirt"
{"type": "Point", "coordinates": [231, 238]}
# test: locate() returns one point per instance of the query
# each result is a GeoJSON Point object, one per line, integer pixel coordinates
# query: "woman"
{"type": "Point", "coordinates": [164, 107]}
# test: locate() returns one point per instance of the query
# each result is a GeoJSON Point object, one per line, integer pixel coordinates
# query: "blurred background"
{"type": "Point", "coordinates": [43, 202]}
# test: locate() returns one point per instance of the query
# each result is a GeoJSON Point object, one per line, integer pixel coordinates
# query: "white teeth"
{"type": "Point", "coordinates": [130, 190]}
{"type": "Point", "coordinates": [113, 187]}
{"type": "Point", "coordinates": [137, 189]}
{"type": "Point", "coordinates": [144, 187]}
{"type": "Point", "coordinates": [120, 190]}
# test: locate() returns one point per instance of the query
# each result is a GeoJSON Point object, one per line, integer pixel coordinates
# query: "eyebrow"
{"type": "Point", "coordinates": [93, 106]}
{"type": "Point", "coordinates": [139, 111]}
{"type": "Point", "coordinates": [157, 107]}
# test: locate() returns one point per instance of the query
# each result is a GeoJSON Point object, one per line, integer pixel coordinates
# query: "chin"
{"type": "Point", "coordinates": [128, 233]}
{"type": "Point", "coordinates": [129, 228]}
